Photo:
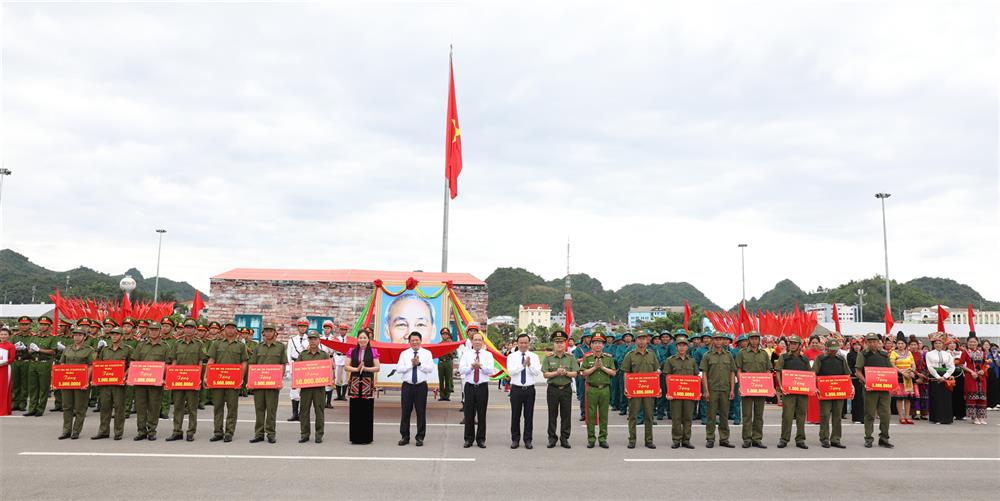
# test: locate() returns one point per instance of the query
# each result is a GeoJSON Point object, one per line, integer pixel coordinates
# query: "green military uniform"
{"type": "Point", "coordinates": [831, 363]}
{"type": "Point", "coordinates": [225, 401]}
{"type": "Point", "coordinates": [169, 339]}
{"type": "Point", "coordinates": [132, 343]}
{"type": "Point", "coordinates": [185, 401]}
{"type": "Point", "coordinates": [559, 395]}
{"type": "Point", "coordinates": [75, 401]}
{"type": "Point", "coordinates": [206, 393]}
{"type": "Point", "coordinates": [753, 361]}
{"type": "Point", "coordinates": [265, 402]}
{"type": "Point", "coordinates": [40, 371]}
{"type": "Point", "coordinates": [66, 338]}
{"type": "Point", "coordinates": [311, 398]}
{"type": "Point", "coordinates": [793, 407]}
{"type": "Point", "coordinates": [446, 371]}
{"type": "Point", "coordinates": [20, 365]}
{"type": "Point", "coordinates": [112, 398]}
{"type": "Point", "coordinates": [876, 402]}
{"type": "Point", "coordinates": [597, 395]}
{"type": "Point", "coordinates": [147, 398]}
{"type": "Point", "coordinates": [250, 344]}
{"type": "Point", "coordinates": [636, 363]}
{"type": "Point", "coordinates": [681, 411]}
{"type": "Point", "coordinates": [718, 367]}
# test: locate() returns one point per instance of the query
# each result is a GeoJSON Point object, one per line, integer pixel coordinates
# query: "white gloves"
{"type": "Point", "coordinates": [20, 346]}
{"type": "Point", "coordinates": [34, 347]}
{"type": "Point", "coordinates": [60, 346]}
{"type": "Point", "coordinates": [101, 343]}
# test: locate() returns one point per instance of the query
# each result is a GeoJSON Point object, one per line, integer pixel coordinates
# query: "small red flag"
{"type": "Point", "coordinates": [972, 324]}
{"type": "Point", "coordinates": [942, 314]}
{"type": "Point", "coordinates": [55, 314]}
{"type": "Point", "coordinates": [687, 315]}
{"type": "Point", "coordinates": [745, 323]}
{"type": "Point", "coordinates": [452, 137]}
{"type": "Point", "coordinates": [888, 320]}
{"type": "Point", "coordinates": [569, 318]}
{"type": "Point", "coordinates": [197, 305]}
{"type": "Point", "coordinates": [836, 318]}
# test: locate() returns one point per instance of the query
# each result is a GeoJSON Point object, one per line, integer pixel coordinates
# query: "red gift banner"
{"type": "Point", "coordinates": [798, 382]}
{"type": "Point", "coordinates": [683, 387]}
{"type": "Point", "coordinates": [227, 376]}
{"type": "Point", "coordinates": [69, 377]}
{"type": "Point", "coordinates": [835, 387]}
{"type": "Point", "coordinates": [108, 373]}
{"type": "Point", "coordinates": [183, 377]}
{"type": "Point", "coordinates": [881, 378]}
{"type": "Point", "coordinates": [642, 385]}
{"type": "Point", "coordinates": [312, 373]}
{"type": "Point", "coordinates": [145, 374]}
{"type": "Point", "coordinates": [265, 377]}
{"type": "Point", "coordinates": [756, 384]}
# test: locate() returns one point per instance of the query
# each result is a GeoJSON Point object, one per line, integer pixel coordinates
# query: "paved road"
{"type": "Point", "coordinates": [928, 462]}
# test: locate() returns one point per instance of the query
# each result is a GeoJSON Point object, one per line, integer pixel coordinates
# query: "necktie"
{"type": "Point", "coordinates": [475, 375]}
{"type": "Point", "coordinates": [414, 369]}
{"type": "Point", "coordinates": [524, 375]}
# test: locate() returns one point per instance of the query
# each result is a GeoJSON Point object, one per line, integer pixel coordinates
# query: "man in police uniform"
{"type": "Point", "coordinates": [19, 367]}
{"type": "Point", "coordinates": [211, 336]}
{"type": "Point", "coordinates": [186, 351]}
{"type": "Point", "coordinates": [42, 350]}
{"type": "Point", "coordinates": [753, 359]}
{"type": "Point", "coordinates": [831, 363]}
{"type": "Point", "coordinates": [597, 369]}
{"type": "Point", "coordinates": [312, 398]}
{"type": "Point", "coordinates": [296, 345]}
{"type": "Point", "coordinates": [718, 383]}
{"type": "Point", "coordinates": [682, 411]}
{"type": "Point", "coordinates": [112, 398]}
{"type": "Point", "coordinates": [446, 369]}
{"type": "Point", "coordinates": [226, 401]}
{"type": "Point", "coordinates": [265, 401]}
{"type": "Point", "coordinates": [641, 361]}
{"type": "Point", "coordinates": [559, 369]}
{"type": "Point", "coordinates": [876, 402]}
{"type": "Point", "coordinates": [793, 407]}
{"type": "Point", "coordinates": [147, 398]}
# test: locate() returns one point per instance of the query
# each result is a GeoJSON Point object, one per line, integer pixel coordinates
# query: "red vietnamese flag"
{"type": "Point", "coordinates": [888, 320]}
{"type": "Point", "coordinates": [836, 318]}
{"type": "Point", "coordinates": [745, 323]}
{"type": "Point", "coordinates": [197, 305]}
{"type": "Point", "coordinates": [687, 315]}
{"type": "Point", "coordinates": [942, 314]}
{"type": "Point", "coordinates": [569, 318]}
{"type": "Point", "coordinates": [452, 137]}
{"type": "Point", "coordinates": [972, 325]}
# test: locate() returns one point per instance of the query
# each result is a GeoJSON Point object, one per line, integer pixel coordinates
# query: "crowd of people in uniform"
{"type": "Point", "coordinates": [941, 382]}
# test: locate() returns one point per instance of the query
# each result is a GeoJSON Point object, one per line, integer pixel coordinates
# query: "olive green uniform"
{"type": "Point", "coordinates": [147, 398]}
{"type": "Point", "coordinates": [876, 402]}
{"type": "Point", "coordinates": [75, 401]}
{"type": "Point", "coordinates": [597, 396]}
{"type": "Point", "coordinates": [559, 395]}
{"type": "Point", "coordinates": [312, 397]}
{"type": "Point", "coordinates": [793, 407]}
{"type": "Point", "coordinates": [446, 372]}
{"type": "Point", "coordinates": [830, 410]}
{"type": "Point", "coordinates": [19, 371]}
{"type": "Point", "coordinates": [112, 398]}
{"type": "Point", "coordinates": [186, 401]}
{"type": "Point", "coordinates": [251, 345]}
{"type": "Point", "coordinates": [206, 393]}
{"type": "Point", "coordinates": [168, 395]}
{"type": "Point", "coordinates": [40, 372]}
{"type": "Point", "coordinates": [753, 361]}
{"type": "Point", "coordinates": [130, 390]}
{"type": "Point", "coordinates": [681, 411]}
{"type": "Point", "coordinates": [66, 340]}
{"type": "Point", "coordinates": [226, 352]}
{"type": "Point", "coordinates": [636, 363]}
{"type": "Point", "coordinates": [265, 402]}
{"type": "Point", "coordinates": [718, 368]}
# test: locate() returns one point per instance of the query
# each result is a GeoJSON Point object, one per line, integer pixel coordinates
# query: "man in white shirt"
{"type": "Point", "coordinates": [340, 363]}
{"type": "Point", "coordinates": [296, 344]}
{"type": "Point", "coordinates": [524, 367]}
{"type": "Point", "coordinates": [476, 366]}
{"type": "Point", "coordinates": [413, 367]}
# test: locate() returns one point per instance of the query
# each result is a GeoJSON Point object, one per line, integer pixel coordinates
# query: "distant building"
{"type": "Point", "coordinates": [961, 316]}
{"type": "Point", "coordinates": [538, 314]}
{"type": "Point", "coordinates": [922, 315]}
{"type": "Point", "coordinates": [559, 319]}
{"type": "Point", "coordinates": [501, 320]}
{"type": "Point", "coordinates": [824, 311]}
{"type": "Point", "coordinates": [640, 314]}
{"type": "Point", "coordinates": [9, 313]}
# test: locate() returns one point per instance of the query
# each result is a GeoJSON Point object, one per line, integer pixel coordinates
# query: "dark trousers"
{"type": "Point", "coordinates": [185, 403]}
{"type": "Point", "coordinates": [112, 399]}
{"type": "Point", "coordinates": [560, 405]}
{"type": "Point", "coordinates": [265, 404]}
{"type": "Point", "coordinates": [858, 403]}
{"type": "Point", "coordinates": [414, 397]}
{"type": "Point", "coordinates": [147, 408]}
{"type": "Point", "coordinates": [522, 400]}
{"type": "Point", "coordinates": [476, 398]}
{"type": "Point", "coordinates": [311, 403]}
{"type": "Point", "coordinates": [225, 402]}
{"type": "Point", "coordinates": [74, 411]}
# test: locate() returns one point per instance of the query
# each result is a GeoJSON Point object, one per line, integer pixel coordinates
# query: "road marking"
{"type": "Point", "coordinates": [247, 456]}
{"type": "Point", "coordinates": [737, 460]}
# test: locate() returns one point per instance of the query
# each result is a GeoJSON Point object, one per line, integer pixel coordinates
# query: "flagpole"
{"type": "Point", "coordinates": [444, 233]}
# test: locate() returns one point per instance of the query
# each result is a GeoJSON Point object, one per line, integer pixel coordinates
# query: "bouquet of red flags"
{"type": "Point", "coordinates": [765, 322]}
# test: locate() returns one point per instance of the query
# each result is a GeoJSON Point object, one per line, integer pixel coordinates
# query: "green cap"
{"type": "Point", "coordinates": [269, 326]}
{"type": "Point", "coordinates": [312, 333]}
{"type": "Point", "coordinates": [753, 334]}
{"type": "Point", "coordinates": [79, 329]}
{"type": "Point", "coordinates": [642, 333]}
{"type": "Point", "coordinates": [720, 334]}
{"type": "Point", "coordinates": [115, 330]}
{"type": "Point", "coordinates": [190, 323]}
{"type": "Point", "coordinates": [871, 336]}
{"type": "Point", "coordinates": [681, 339]}
{"type": "Point", "coordinates": [155, 325]}
{"type": "Point", "coordinates": [558, 336]}
{"type": "Point", "coordinates": [230, 322]}
{"type": "Point", "coordinates": [832, 344]}
{"type": "Point", "coordinates": [794, 339]}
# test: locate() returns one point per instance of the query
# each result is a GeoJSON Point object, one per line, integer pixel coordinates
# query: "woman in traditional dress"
{"type": "Point", "coordinates": [974, 365]}
{"type": "Point", "coordinates": [6, 357]}
{"type": "Point", "coordinates": [992, 375]}
{"type": "Point", "coordinates": [921, 406]}
{"type": "Point", "coordinates": [940, 367]}
{"type": "Point", "coordinates": [362, 365]}
{"type": "Point", "coordinates": [903, 361]}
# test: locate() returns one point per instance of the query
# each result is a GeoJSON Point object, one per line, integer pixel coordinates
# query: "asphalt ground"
{"type": "Point", "coordinates": [929, 462]}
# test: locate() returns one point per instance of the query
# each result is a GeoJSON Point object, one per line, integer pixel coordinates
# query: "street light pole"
{"type": "Point", "coordinates": [861, 305]}
{"type": "Point", "coordinates": [743, 271]}
{"type": "Point", "coordinates": [4, 172]}
{"type": "Point", "coordinates": [156, 283]}
{"type": "Point", "coordinates": [885, 245]}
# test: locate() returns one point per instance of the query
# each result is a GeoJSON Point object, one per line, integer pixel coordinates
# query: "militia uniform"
{"type": "Point", "coordinates": [311, 398]}
{"type": "Point", "coordinates": [265, 401]}
{"type": "Point", "coordinates": [753, 361]}
{"type": "Point", "coordinates": [831, 363]}
{"type": "Point", "coordinates": [42, 351]}
{"type": "Point", "coordinates": [559, 394]}
{"type": "Point", "coordinates": [19, 367]}
{"type": "Point", "coordinates": [597, 393]}
{"type": "Point", "coordinates": [64, 338]}
{"type": "Point", "coordinates": [75, 401]}
{"type": "Point", "coordinates": [793, 407]}
{"type": "Point", "coordinates": [186, 352]}
{"type": "Point", "coordinates": [876, 402]}
{"type": "Point", "coordinates": [112, 398]}
{"type": "Point", "coordinates": [147, 398]}
{"type": "Point", "coordinates": [446, 369]}
{"type": "Point", "coordinates": [226, 401]}
{"type": "Point", "coordinates": [639, 362]}
{"type": "Point", "coordinates": [169, 337]}
{"type": "Point", "coordinates": [719, 368]}
{"type": "Point", "coordinates": [133, 342]}
{"type": "Point", "coordinates": [682, 411]}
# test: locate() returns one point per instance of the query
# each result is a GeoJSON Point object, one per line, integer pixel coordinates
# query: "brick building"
{"type": "Point", "coordinates": [251, 296]}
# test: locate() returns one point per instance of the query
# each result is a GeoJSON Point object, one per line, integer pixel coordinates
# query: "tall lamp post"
{"type": "Point", "coordinates": [861, 305]}
{"type": "Point", "coordinates": [885, 246]}
{"type": "Point", "coordinates": [743, 271]}
{"type": "Point", "coordinates": [156, 283]}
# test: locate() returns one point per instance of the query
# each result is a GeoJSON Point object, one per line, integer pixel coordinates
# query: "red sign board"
{"type": "Point", "coordinates": [108, 373]}
{"type": "Point", "coordinates": [227, 376]}
{"type": "Point", "coordinates": [69, 377]}
{"type": "Point", "coordinates": [145, 374]}
{"type": "Point", "coordinates": [835, 387]}
{"type": "Point", "coordinates": [798, 382]}
{"type": "Point", "coordinates": [684, 387]}
{"type": "Point", "coordinates": [642, 385]}
{"type": "Point", "coordinates": [881, 378]}
{"type": "Point", "coordinates": [756, 384]}
{"type": "Point", "coordinates": [183, 377]}
{"type": "Point", "coordinates": [265, 376]}
{"type": "Point", "coordinates": [312, 373]}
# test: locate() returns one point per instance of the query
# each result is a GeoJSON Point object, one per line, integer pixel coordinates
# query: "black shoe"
{"type": "Point", "coordinates": [466, 445]}
{"type": "Point", "coordinates": [825, 444]}
{"type": "Point", "coordinates": [687, 445]}
{"type": "Point", "coordinates": [582, 418]}
{"type": "Point", "coordinates": [271, 440]}
{"type": "Point", "coordinates": [404, 441]}
{"type": "Point", "coordinates": [675, 445]}
{"type": "Point", "coordinates": [631, 445]}
{"type": "Point", "coordinates": [151, 437]}
{"type": "Point", "coordinates": [28, 414]}
{"type": "Point", "coordinates": [709, 444]}
{"type": "Point", "coordinates": [64, 436]}
{"type": "Point", "coordinates": [99, 437]}
{"type": "Point", "coordinates": [746, 444]}
{"type": "Point", "coordinates": [254, 440]}
{"type": "Point", "coordinates": [175, 436]}
{"type": "Point", "coordinates": [528, 445]}
{"type": "Point", "coordinates": [189, 437]}
{"type": "Point", "coordinates": [74, 436]}
{"type": "Point", "coordinates": [328, 406]}
{"type": "Point", "coordinates": [163, 415]}
{"type": "Point", "coordinates": [604, 445]}
{"type": "Point", "coordinates": [319, 440]}
{"type": "Point", "coordinates": [481, 444]}
{"type": "Point", "coordinates": [55, 409]}
{"type": "Point", "coordinates": [227, 438]}
{"type": "Point", "coordinates": [868, 443]}
{"type": "Point", "coordinates": [782, 444]}
{"type": "Point", "coordinates": [759, 445]}
{"type": "Point", "coordinates": [514, 445]}
{"type": "Point", "coordinates": [726, 444]}
{"type": "Point", "coordinates": [551, 444]}
{"type": "Point", "coordinates": [293, 418]}
{"type": "Point", "coordinates": [590, 445]}
{"type": "Point", "coordinates": [118, 437]}
{"type": "Point", "coordinates": [801, 445]}
{"type": "Point", "coordinates": [462, 421]}
{"type": "Point", "coordinates": [838, 445]}
{"type": "Point", "coordinates": [215, 438]}
{"type": "Point", "coordinates": [565, 445]}
{"type": "Point", "coordinates": [139, 437]}
{"type": "Point", "coordinates": [303, 439]}
{"type": "Point", "coordinates": [885, 443]}
{"type": "Point", "coordinates": [201, 407]}
{"type": "Point", "coordinates": [419, 442]}
{"type": "Point", "coordinates": [650, 445]}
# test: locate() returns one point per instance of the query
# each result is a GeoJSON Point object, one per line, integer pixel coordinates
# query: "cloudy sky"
{"type": "Point", "coordinates": [311, 136]}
